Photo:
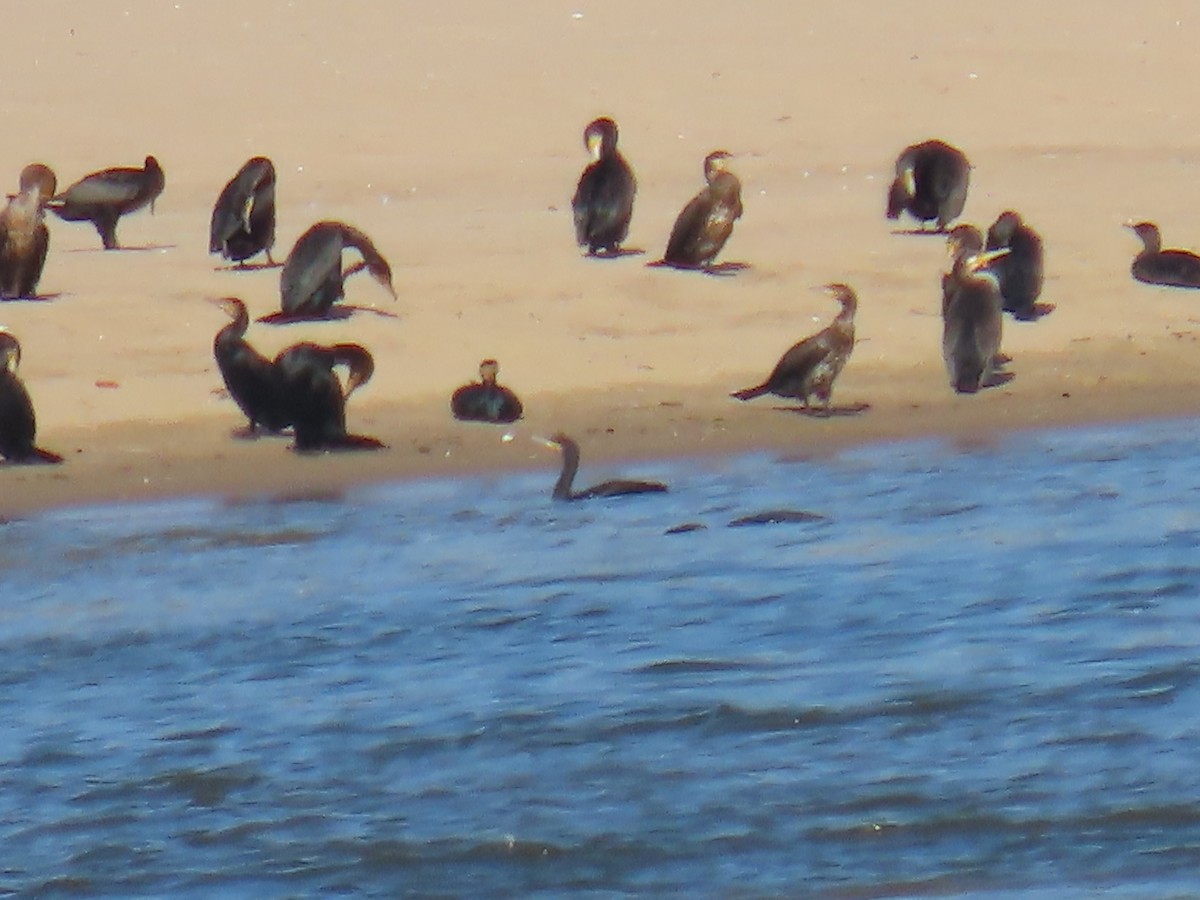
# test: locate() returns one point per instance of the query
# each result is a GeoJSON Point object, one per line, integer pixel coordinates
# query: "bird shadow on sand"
{"type": "Point", "coordinates": [919, 232]}
{"type": "Point", "coordinates": [250, 267]}
{"type": "Point", "coordinates": [36, 298]}
{"type": "Point", "coordinates": [624, 251]}
{"type": "Point", "coordinates": [1039, 310]}
{"type": "Point", "coordinates": [720, 270]}
{"type": "Point", "coordinates": [142, 248]}
{"type": "Point", "coordinates": [336, 314]}
{"type": "Point", "coordinates": [820, 412]}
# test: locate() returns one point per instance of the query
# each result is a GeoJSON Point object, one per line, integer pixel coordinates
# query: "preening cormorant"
{"type": "Point", "coordinates": [1154, 265]}
{"type": "Point", "coordinates": [253, 380]}
{"type": "Point", "coordinates": [103, 197]}
{"type": "Point", "coordinates": [931, 183]}
{"type": "Point", "coordinates": [1020, 271]}
{"type": "Point", "coordinates": [705, 224]}
{"type": "Point", "coordinates": [24, 237]}
{"type": "Point", "coordinates": [243, 218]}
{"type": "Point", "coordinates": [314, 398]}
{"type": "Point", "coordinates": [18, 427]}
{"type": "Point", "coordinates": [312, 277]}
{"type": "Point", "coordinates": [972, 322]}
{"type": "Point", "coordinates": [603, 201]}
{"type": "Point", "coordinates": [485, 400]}
{"type": "Point", "coordinates": [960, 240]}
{"type": "Point", "coordinates": [570, 457]}
{"type": "Point", "coordinates": [810, 367]}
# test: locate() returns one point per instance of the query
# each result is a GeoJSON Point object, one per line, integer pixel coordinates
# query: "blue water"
{"type": "Point", "coordinates": [978, 676]}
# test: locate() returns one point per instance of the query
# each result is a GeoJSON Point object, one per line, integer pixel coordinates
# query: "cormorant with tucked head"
{"type": "Point", "coordinates": [972, 323]}
{"type": "Point", "coordinates": [312, 278]}
{"type": "Point", "coordinates": [485, 400]}
{"type": "Point", "coordinates": [314, 398]}
{"type": "Point", "coordinates": [603, 201]}
{"type": "Point", "coordinates": [931, 183]}
{"type": "Point", "coordinates": [24, 238]}
{"type": "Point", "coordinates": [252, 380]}
{"type": "Point", "coordinates": [18, 426]}
{"type": "Point", "coordinates": [616, 488]}
{"type": "Point", "coordinates": [705, 224]}
{"type": "Point", "coordinates": [1020, 272]}
{"type": "Point", "coordinates": [103, 197]}
{"type": "Point", "coordinates": [810, 367]}
{"type": "Point", "coordinates": [1154, 265]}
{"type": "Point", "coordinates": [243, 218]}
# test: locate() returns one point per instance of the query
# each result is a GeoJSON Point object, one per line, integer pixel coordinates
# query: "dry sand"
{"type": "Point", "coordinates": [452, 135]}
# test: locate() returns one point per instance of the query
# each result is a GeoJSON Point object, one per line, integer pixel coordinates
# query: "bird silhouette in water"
{"type": "Point", "coordinates": [706, 222]}
{"type": "Point", "coordinates": [486, 400]}
{"type": "Point", "coordinates": [314, 399]}
{"type": "Point", "coordinates": [1154, 265]}
{"type": "Point", "coordinates": [243, 218]}
{"type": "Point", "coordinates": [570, 465]}
{"type": "Point", "coordinates": [103, 197]}
{"type": "Point", "coordinates": [603, 201]}
{"type": "Point", "coordinates": [18, 425]}
{"type": "Point", "coordinates": [24, 238]}
{"type": "Point", "coordinates": [253, 381]}
{"type": "Point", "coordinates": [313, 280]}
{"type": "Point", "coordinates": [930, 184]}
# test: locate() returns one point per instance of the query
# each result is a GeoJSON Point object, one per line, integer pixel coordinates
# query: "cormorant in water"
{"type": "Point", "coordinates": [18, 427]}
{"type": "Point", "coordinates": [931, 183]}
{"type": "Point", "coordinates": [705, 224]}
{"type": "Point", "coordinates": [1154, 265]}
{"type": "Point", "coordinates": [312, 277]}
{"type": "Point", "coordinates": [1020, 272]}
{"type": "Point", "coordinates": [24, 237]}
{"type": "Point", "coordinates": [314, 399]}
{"type": "Point", "coordinates": [972, 323]}
{"type": "Point", "coordinates": [253, 380]}
{"type": "Point", "coordinates": [810, 367]}
{"type": "Point", "coordinates": [617, 488]}
{"type": "Point", "coordinates": [485, 400]}
{"type": "Point", "coordinates": [603, 201]}
{"type": "Point", "coordinates": [243, 218]}
{"type": "Point", "coordinates": [103, 197]}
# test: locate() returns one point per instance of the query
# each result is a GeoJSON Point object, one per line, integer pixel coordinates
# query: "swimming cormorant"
{"type": "Point", "coordinates": [972, 322]}
{"type": "Point", "coordinates": [243, 218]}
{"type": "Point", "coordinates": [103, 197]}
{"type": "Point", "coordinates": [931, 183]}
{"type": "Point", "coordinates": [24, 237]}
{"type": "Point", "coordinates": [18, 427]}
{"type": "Point", "coordinates": [616, 488]}
{"type": "Point", "coordinates": [603, 201]}
{"type": "Point", "coordinates": [253, 380]}
{"type": "Point", "coordinates": [314, 398]}
{"type": "Point", "coordinates": [705, 224]}
{"type": "Point", "coordinates": [485, 400]}
{"type": "Point", "coordinates": [1020, 272]}
{"type": "Point", "coordinates": [810, 367]}
{"type": "Point", "coordinates": [1154, 265]}
{"type": "Point", "coordinates": [312, 277]}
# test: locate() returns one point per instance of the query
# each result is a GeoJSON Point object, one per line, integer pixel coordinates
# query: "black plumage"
{"type": "Point", "coordinates": [18, 425]}
{"type": "Point", "coordinates": [1019, 272]}
{"type": "Point", "coordinates": [312, 279]}
{"type": "Point", "coordinates": [486, 400]}
{"type": "Point", "coordinates": [243, 218]}
{"type": "Point", "coordinates": [314, 398]}
{"type": "Point", "coordinates": [603, 201]}
{"type": "Point", "coordinates": [931, 183]}
{"type": "Point", "coordinates": [253, 381]}
{"type": "Point", "coordinates": [103, 197]}
{"type": "Point", "coordinates": [24, 238]}
{"type": "Point", "coordinates": [972, 322]}
{"type": "Point", "coordinates": [1154, 265]}
{"type": "Point", "coordinates": [706, 222]}
{"type": "Point", "coordinates": [570, 457]}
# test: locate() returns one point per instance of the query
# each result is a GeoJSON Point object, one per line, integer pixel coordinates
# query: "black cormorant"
{"type": "Point", "coordinates": [314, 398]}
{"type": "Point", "coordinates": [243, 218]}
{"type": "Point", "coordinates": [931, 183]}
{"type": "Point", "coordinates": [253, 380]}
{"type": "Point", "coordinates": [1154, 265]}
{"type": "Point", "coordinates": [810, 367]}
{"type": "Point", "coordinates": [603, 201]}
{"type": "Point", "coordinates": [705, 224]}
{"type": "Point", "coordinates": [312, 277]}
{"type": "Point", "coordinates": [1019, 272]}
{"type": "Point", "coordinates": [972, 322]}
{"type": "Point", "coordinates": [617, 488]}
{"type": "Point", "coordinates": [103, 197]}
{"type": "Point", "coordinates": [18, 427]}
{"type": "Point", "coordinates": [24, 237]}
{"type": "Point", "coordinates": [960, 240]}
{"type": "Point", "coordinates": [485, 400]}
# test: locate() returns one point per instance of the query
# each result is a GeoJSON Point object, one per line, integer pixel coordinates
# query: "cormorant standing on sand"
{"type": "Point", "coordinates": [972, 322]}
{"type": "Point", "coordinates": [243, 218]}
{"type": "Point", "coordinates": [485, 400]}
{"type": "Point", "coordinates": [312, 278]}
{"type": "Point", "coordinates": [18, 427]}
{"type": "Point", "coordinates": [1154, 265]}
{"type": "Point", "coordinates": [810, 367]}
{"type": "Point", "coordinates": [1020, 272]}
{"type": "Point", "coordinates": [616, 488]}
{"type": "Point", "coordinates": [705, 224]}
{"type": "Point", "coordinates": [931, 183]}
{"type": "Point", "coordinates": [603, 201]}
{"type": "Point", "coordinates": [960, 240]}
{"type": "Point", "coordinates": [24, 238]}
{"type": "Point", "coordinates": [103, 197]}
{"type": "Point", "coordinates": [314, 398]}
{"type": "Point", "coordinates": [253, 380]}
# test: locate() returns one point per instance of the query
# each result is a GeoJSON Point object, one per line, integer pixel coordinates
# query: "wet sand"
{"type": "Point", "coordinates": [453, 138]}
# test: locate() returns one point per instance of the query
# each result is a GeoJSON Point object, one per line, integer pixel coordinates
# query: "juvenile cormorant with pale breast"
{"type": "Point", "coordinates": [18, 426]}
{"type": "Point", "coordinates": [312, 278]}
{"type": "Point", "coordinates": [704, 225]}
{"type": "Point", "coordinates": [570, 456]}
{"type": "Point", "coordinates": [1020, 271]}
{"type": "Point", "coordinates": [486, 400]}
{"type": "Point", "coordinates": [243, 218]}
{"type": "Point", "coordinates": [931, 183]}
{"type": "Point", "coordinates": [314, 398]}
{"type": "Point", "coordinates": [972, 322]}
{"type": "Point", "coordinates": [1154, 265]}
{"type": "Point", "coordinates": [603, 201]}
{"type": "Point", "coordinates": [103, 197]}
{"type": "Point", "coordinates": [253, 381]}
{"type": "Point", "coordinates": [24, 238]}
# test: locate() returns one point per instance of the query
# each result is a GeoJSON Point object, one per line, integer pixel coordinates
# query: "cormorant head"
{"type": "Point", "coordinates": [844, 294]}
{"type": "Point", "coordinates": [963, 239]}
{"type": "Point", "coordinates": [488, 370]}
{"type": "Point", "coordinates": [600, 137]}
{"type": "Point", "coordinates": [360, 362]}
{"type": "Point", "coordinates": [1149, 233]}
{"type": "Point", "coordinates": [36, 176]}
{"type": "Point", "coordinates": [978, 265]}
{"type": "Point", "coordinates": [1005, 226]}
{"type": "Point", "coordinates": [233, 307]}
{"type": "Point", "coordinates": [379, 269]}
{"type": "Point", "coordinates": [716, 163]}
{"type": "Point", "coordinates": [10, 350]}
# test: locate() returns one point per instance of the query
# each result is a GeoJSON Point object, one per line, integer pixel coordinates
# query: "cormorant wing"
{"type": "Point", "coordinates": [803, 357]}
{"type": "Point", "coordinates": [109, 188]}
{"type": "Point", "coordinates": [314, 266]}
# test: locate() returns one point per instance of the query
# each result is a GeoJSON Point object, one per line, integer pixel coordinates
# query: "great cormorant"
{"type": "Point", "coordinates": [570, 458]}
{"type": "Point", "coordinates": [931, 183]}
{"type": "Point", "coordinates": [243, 218]}
{"type": "Point", "coordinates": [312, 277]}
{"type": "Point", "coordinates": [18, 427]}
{"type": "Point", "coordinates": [972, 323]}
{"type": "Point", "coordinates": [253, 381]}
{"type": "Point", "coordinates": [24, 237]}
{"type": "Point", "coordinates": [603, 201]}
{"type": "Point", "coordinates": [1154, 265]}
{"type": "Point", "coordinates": [485, 400]}
{"type": "Point", "coordinates": [314, 398]}
{"type": "Point", "coordinates": [1020, 271]}
{"type": "Point", "coordinates": [103, 197]}
{"type": "Point", "coordinates": [705, 224]}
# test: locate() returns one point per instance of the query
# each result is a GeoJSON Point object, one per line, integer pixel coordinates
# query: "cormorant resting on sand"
{"type": "Point", "coordinates": [103, 197]}
{"type": "Point", "coordinates": [243, 218]}
{"type": "Point", "coordinates": [18, 427]}
{"type": "Point", "coordinates": [809, 368]}
{"type": "Point", "coordinates": [253, 381]}
{"type": "Point", "coordinates": [931, 183]}
{"type": "Point", "coordinates": [1154, 265]}
{"type": "Point", "coordinates": [1020, 272]}
{"type": "Point", "coordinates": [603, 201]}
{"type": "Point", "coordinates": [24, 237]}
{"type": "Point", "coordinates": [485, 400]}
{"type": "Point", "coordinates": [972, 322]}
{"type": "Point", "coordinates": [570, 455]}
{"type": "Point", "coordinates": [314, 399]}
{"type": "Point", "coordinates": [312, 277]}
{"type": "Point", "coordinates": [705, 224]}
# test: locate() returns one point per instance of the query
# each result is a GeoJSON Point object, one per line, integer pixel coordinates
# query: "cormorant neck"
{"type": "Point", "coordinates": [570, 465]}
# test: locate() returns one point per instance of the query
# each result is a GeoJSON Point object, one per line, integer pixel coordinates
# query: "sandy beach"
{"type": "Point", "coordinates": [453, 138]}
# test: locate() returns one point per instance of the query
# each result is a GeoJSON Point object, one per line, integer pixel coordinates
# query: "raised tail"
{"type": "Point", "coordinates": [750, 393]}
